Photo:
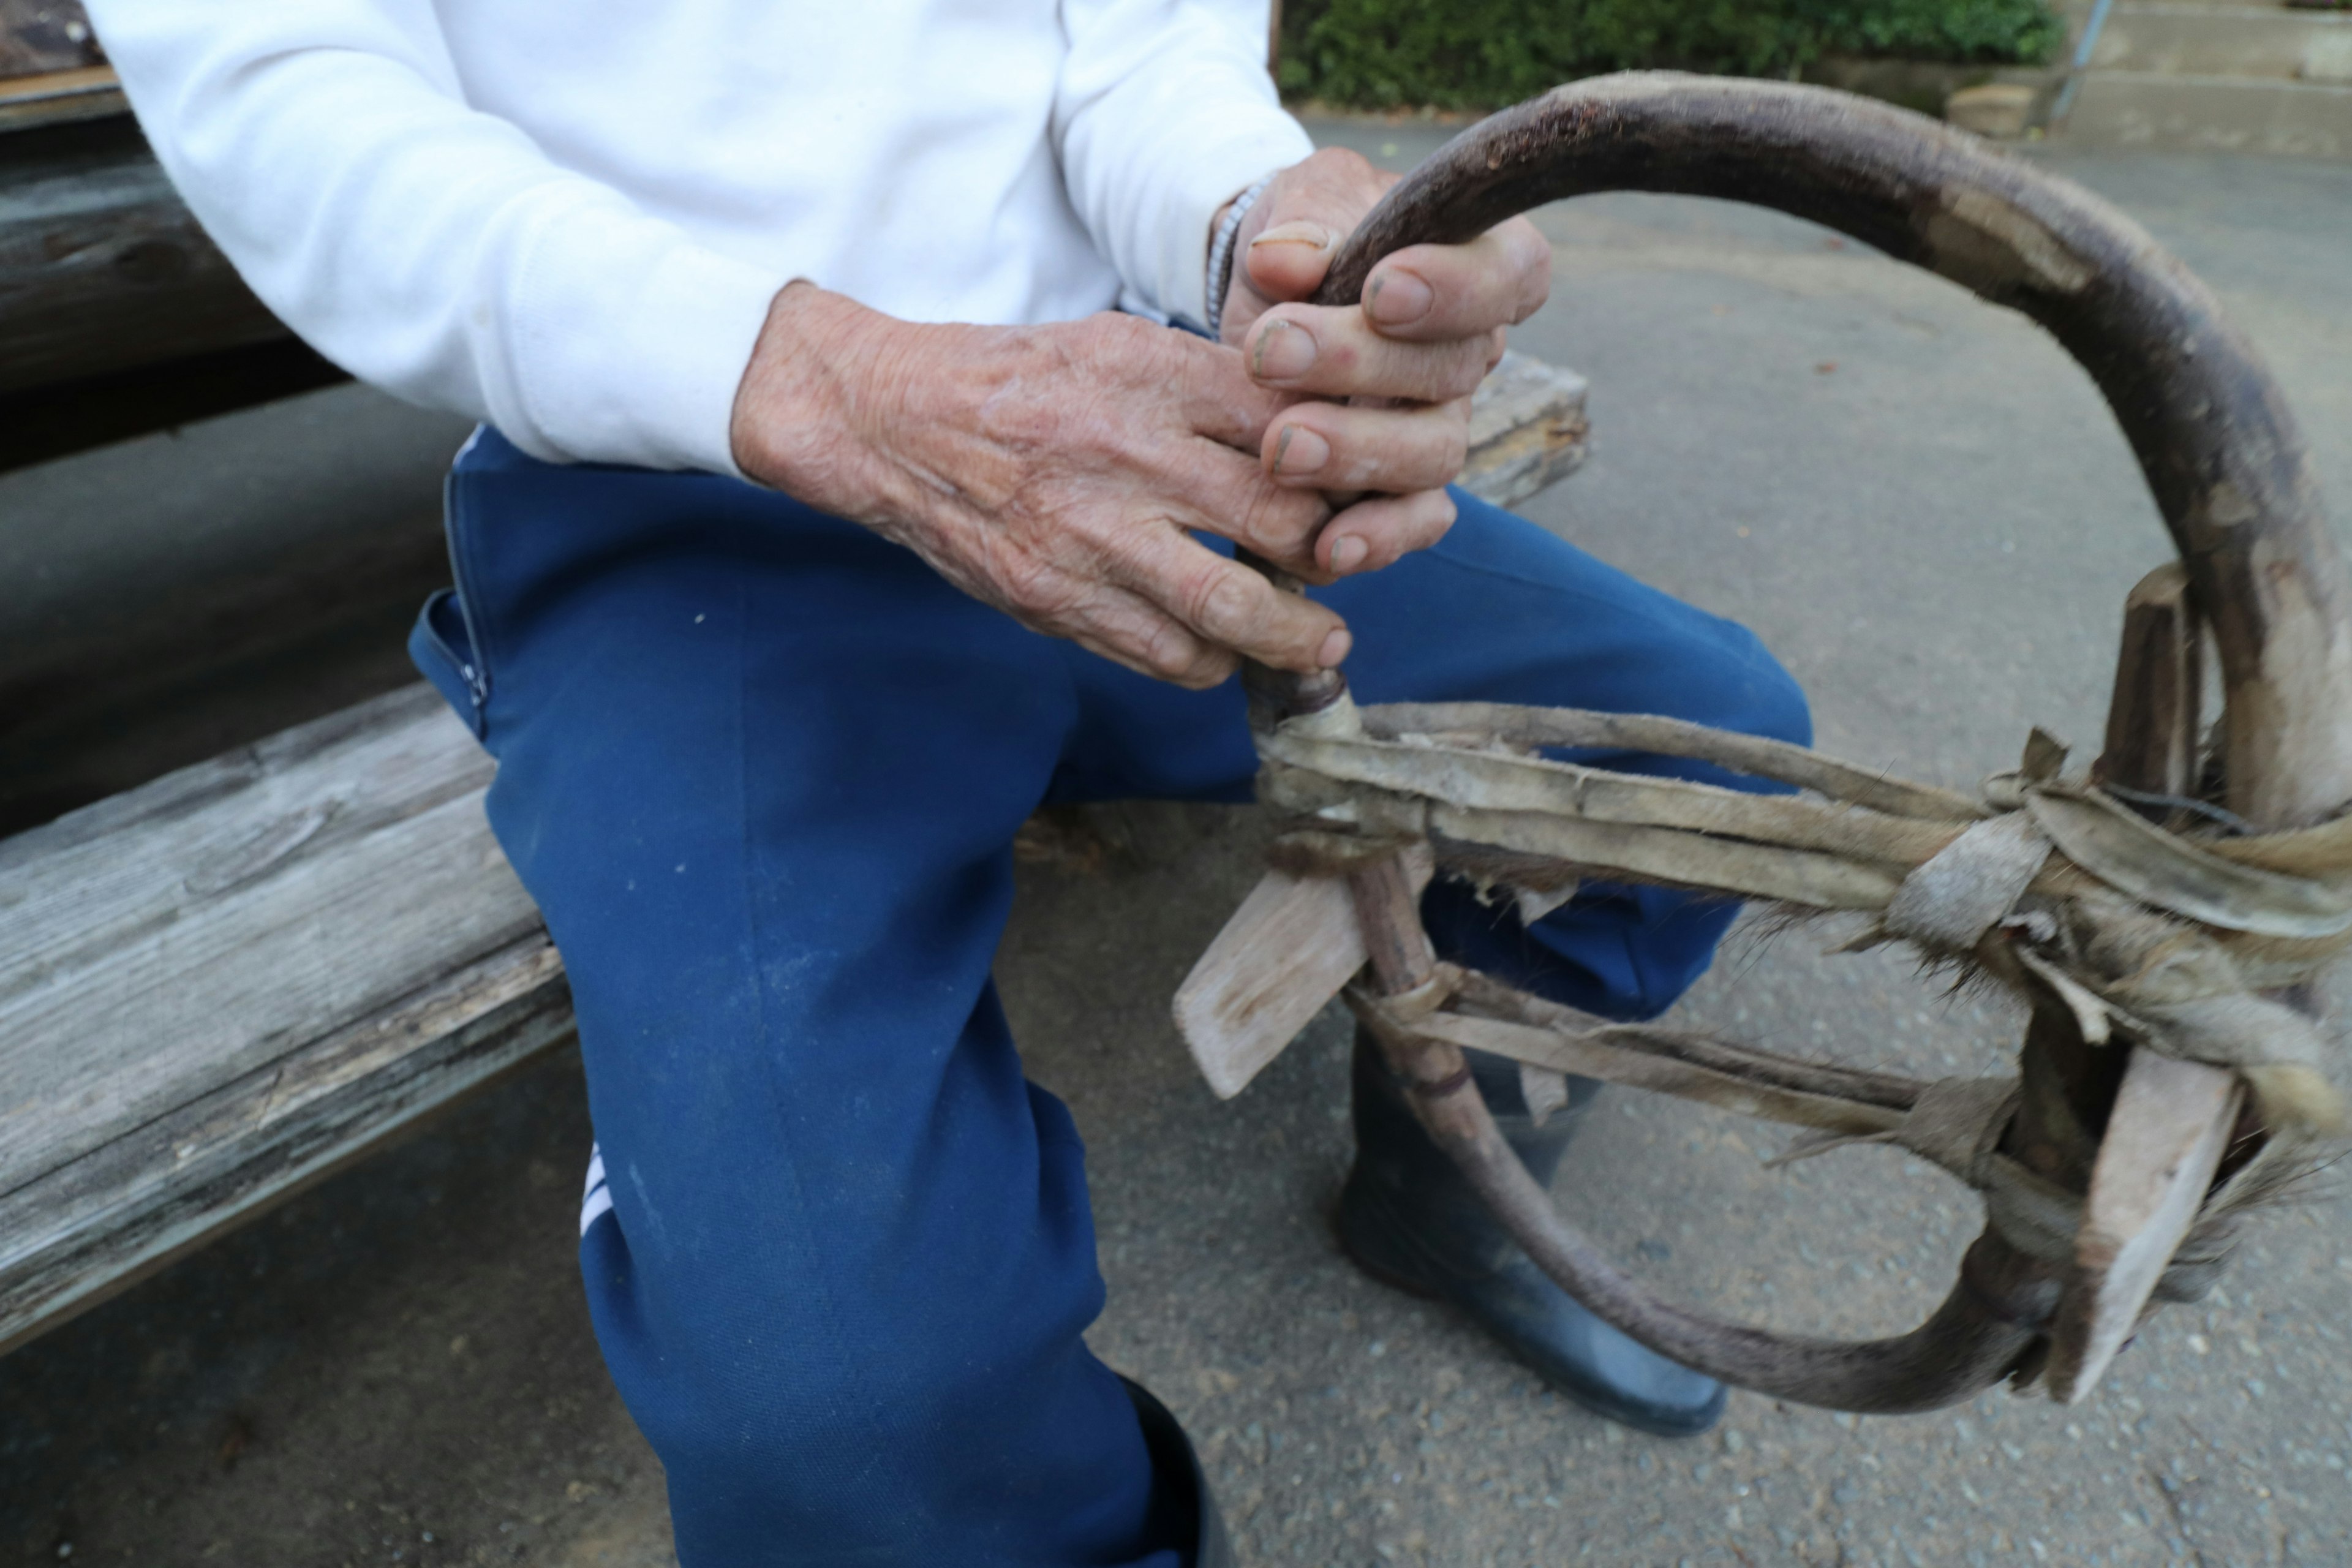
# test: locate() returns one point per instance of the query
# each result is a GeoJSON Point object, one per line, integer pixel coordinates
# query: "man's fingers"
{"type": "Point", "coordinates": [1129, 629]}
{"type": "Point", "coordinates": [1232, 607]}
{"type": "Point", "coordinates": [1429, 292]}
{"type": "Point", "coordinates": [1219, 400]}
{"type": "Point", "coordinates": [1335, 352]}
{"type": "Point", "coordinates": [1334, 446]}
{"type": "Point", "coordinates": [1229, 494]}
{"type": "Point", "coordinates": [1288, 260]}
{"type": "Point", "coordinates": [1378, 532]}
{"type": "Point", "coordinates": [1310, 208]}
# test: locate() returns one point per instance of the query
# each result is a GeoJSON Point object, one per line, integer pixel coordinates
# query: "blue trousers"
{"type": "Point", "coordinates": [761, 770]}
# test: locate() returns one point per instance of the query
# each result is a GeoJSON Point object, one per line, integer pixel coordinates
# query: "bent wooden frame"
{"type": "Point", "coordinates": [2140, 1137]}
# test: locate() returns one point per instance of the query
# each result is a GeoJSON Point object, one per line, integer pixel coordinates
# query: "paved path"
{"type": "Point", "coordinates": [1926, 511]}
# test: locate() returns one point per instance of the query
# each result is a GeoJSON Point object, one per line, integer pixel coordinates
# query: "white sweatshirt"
{"type": "Point", "coordinates": [569, 219]}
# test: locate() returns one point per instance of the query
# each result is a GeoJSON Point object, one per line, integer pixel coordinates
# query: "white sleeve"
{"type": "Point", "coordinates": [1164, 113]}
{"type": "Point", "coordinates": [432, 250]}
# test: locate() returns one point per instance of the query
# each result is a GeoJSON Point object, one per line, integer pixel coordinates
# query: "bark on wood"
{"type": "Point", "coordinates": [1388, 910]}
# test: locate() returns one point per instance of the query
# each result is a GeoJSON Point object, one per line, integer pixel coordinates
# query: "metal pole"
{"type": "Point", "coordinates": [2074, 73]}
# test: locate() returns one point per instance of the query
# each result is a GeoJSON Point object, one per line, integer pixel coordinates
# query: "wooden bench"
{"type": "Point", "coordinates": [226, 984]}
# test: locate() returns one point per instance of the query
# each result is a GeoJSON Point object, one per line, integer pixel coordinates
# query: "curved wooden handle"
{"type": "Point", "coordinates": [2220, 451]}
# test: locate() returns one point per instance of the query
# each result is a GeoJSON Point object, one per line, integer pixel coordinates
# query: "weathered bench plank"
{"type": "Point", "coordinates": [1527, 429]}
{"type": "Point", "coordinates": [218, 987]}
{"type": "Point", "coordinates": [102, 267]}
{"type": "Point", "coordinates": [361, 867]}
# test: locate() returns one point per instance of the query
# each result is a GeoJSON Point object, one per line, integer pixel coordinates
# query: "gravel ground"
{"type": "Point", "coordinates": [1924, 509]}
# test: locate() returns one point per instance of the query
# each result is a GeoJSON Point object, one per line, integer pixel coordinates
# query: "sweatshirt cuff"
{"type": "Point", "coordinates": [1259, 140]}
{"type": "Point", "coordinates": [631, 351]}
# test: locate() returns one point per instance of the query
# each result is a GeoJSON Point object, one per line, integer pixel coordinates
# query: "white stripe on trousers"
{"type": "Point", "coordinates": [597, 1201]}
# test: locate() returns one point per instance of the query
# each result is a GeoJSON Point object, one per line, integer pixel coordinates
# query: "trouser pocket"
{"type": "Point", "coordinates": [443, 647]}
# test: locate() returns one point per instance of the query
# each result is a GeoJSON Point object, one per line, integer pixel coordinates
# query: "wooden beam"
{"type": "Point", "coordinates": [220, 986]}
{"type": "Point", "coordinates": [60, 97]}
{"type": "Point", "coordinates": [102, 267]}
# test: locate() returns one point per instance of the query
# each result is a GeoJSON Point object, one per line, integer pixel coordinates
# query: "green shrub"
{"type": "Point", "coordinates": [1480, 53]}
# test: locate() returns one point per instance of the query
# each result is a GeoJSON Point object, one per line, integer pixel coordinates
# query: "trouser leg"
{"type": "Point", "coordinates": [762, 772]}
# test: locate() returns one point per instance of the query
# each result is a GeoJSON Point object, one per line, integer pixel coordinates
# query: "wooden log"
{"type": "Point", "coordinates": [102, 267]}
{"type": "Point", "coordinates": [219, 987]}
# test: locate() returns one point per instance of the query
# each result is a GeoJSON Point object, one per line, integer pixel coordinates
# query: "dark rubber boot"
{"type": "Point", "coordinates": [1408, 1218]}
{"type": "Point", "coordinates": [1179, 1469]}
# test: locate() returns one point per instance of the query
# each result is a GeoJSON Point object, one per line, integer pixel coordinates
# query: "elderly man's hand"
{"type": "Point", "coordinates": [1427, 329]}
{"type": "Point", "coordinates": [1055, 472]}
{"type": "Point", "coordinates": [1060, 472]}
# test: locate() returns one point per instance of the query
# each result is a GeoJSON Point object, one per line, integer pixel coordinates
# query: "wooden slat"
{"type": "Point", "coordinates": [2170, 1121]}
{"type": "Point", "coordinates": [1527, 429]}
{"type": "Point", "coordinates": [102, 267]}
{"type": "Point", "coordinates": [61, 97]}
{"type": "Point", "coordinates": [38, 36]}
{"type": "Point", "coordinates": [148, 964]}
{"type": "Point", "coordinates": [89, 1228]}
{"type": "Point", "coordinates": [219, 987]}
{"type": "Point", "coordinates": [2165, 1139]}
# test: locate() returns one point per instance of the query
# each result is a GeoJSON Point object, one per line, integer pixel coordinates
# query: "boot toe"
{"type": "Point", "coordinates": [1591, 1362]}
{"type": "Point", "coordinates": [1587, 1361]}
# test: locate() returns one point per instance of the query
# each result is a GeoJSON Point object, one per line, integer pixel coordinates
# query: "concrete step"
{"type": "Point", "coordinates": [2205, 39]}
{"type": "Point", "coordinates": [2212, 113]}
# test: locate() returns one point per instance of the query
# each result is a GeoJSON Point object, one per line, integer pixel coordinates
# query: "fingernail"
{"type": "Point", "coordinates": [1299, 451]}
{"type": "Point", "coordinates": [1347, 554]}
{"type": "Point", "coordinates": [1285, 352]}
{"type": "Point", "coordinates": [1334, 651]}
{"type": "Point", "coordinates": [1312, 234]}
{"type": "Point", "coordinates": [1399, 299]}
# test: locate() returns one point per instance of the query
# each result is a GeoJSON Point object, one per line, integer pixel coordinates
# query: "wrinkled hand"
{"type": "Point", "coordinates": [1060, 472]}
{"type": "Point", "coordinates": [1050, 471]}
{"type": "Point", "coordinates": [1427, 329]}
